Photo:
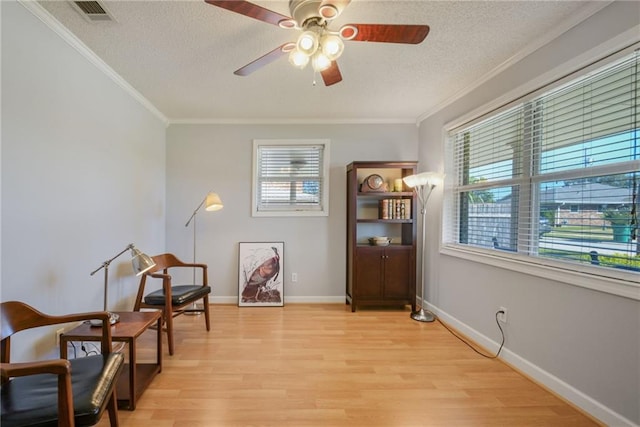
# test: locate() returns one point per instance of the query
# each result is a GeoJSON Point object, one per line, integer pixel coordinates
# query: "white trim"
{"type": "Point", "coordinates": [550, 381]}
{"type": "Point", "coordinates": [51, 22]}
{"type": "Point", "coordinates": [545, 39]}
{"type": "Point", "coordinates": [233, 299]}
{"type": "Point", "coordinates": [628, 285]}
{"type": "Point", "coordinates": [299, 211]}
{"type": "Point", "coordinates": [280, 121]}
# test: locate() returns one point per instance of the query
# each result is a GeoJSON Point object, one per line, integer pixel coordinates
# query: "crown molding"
{"type": "Point", "coordinates": [50, 21]}
{"type": "Point", "coordinates": [545, 39]}
{"type": "Point", "coordinates": [277, 121]}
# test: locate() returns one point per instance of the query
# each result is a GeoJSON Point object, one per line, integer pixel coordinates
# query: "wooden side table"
{"type": "Point", "coordinates": [135, 377]}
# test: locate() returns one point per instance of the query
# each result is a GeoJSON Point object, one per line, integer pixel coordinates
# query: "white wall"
{"type": "Point", "coordinates": [582, 343]}
{"type": "Point", "coordinates": [218, 157]}
{"type": "Point", "coordinates": [82, 177]}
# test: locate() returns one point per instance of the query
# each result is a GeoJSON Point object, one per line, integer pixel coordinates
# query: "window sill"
{"type": "Point", "coordinates": [625, 283]}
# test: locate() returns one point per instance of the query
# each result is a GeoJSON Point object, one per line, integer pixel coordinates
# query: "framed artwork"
{"type": "Point", "coordinates": [260, 276]}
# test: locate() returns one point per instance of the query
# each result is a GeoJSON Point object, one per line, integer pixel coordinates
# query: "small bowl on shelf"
{"type": "Point", "coordinates": [379, 241]}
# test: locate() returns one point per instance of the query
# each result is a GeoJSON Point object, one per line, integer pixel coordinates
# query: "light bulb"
{"type": "Point", "coordinates": [320, 62]}
{"type": "Point", "coordinates": [308, 42]}
{"type": "Point", "coordinates": [332, 46]}
{"type": "Point", "coordinates": [298, 59]}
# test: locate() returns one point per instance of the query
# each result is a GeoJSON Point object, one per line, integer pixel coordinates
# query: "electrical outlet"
{"type": "Point", "coordinates": [294, 277]}
{"type": "Point", "coordinates": [502, 315]}
{"type": "Point", "coordinates": [58, 333]}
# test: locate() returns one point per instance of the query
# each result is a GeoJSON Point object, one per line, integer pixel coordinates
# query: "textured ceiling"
{"type": "Point", "coordinates": [180, 55]}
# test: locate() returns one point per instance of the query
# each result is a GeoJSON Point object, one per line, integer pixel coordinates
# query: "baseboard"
{"type": "Point", "coordinates": [294, 300]}
{"type": "Point", "coordinates": [554, 384]}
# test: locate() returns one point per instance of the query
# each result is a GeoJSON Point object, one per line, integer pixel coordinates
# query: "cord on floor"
{"type": "Point", "coordinates": [471, 346]}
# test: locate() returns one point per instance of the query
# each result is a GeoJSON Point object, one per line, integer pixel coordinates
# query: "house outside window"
{"type": "Point", "coordinates": [553, 179]}
{"type": "Point", "coordinates": [290, 178]}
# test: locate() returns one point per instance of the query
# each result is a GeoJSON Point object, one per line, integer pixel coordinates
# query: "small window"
{"type": "Point", "coordinates": [290, 177]}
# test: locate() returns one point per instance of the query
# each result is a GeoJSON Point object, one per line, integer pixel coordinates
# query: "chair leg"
{"type": "Point", "coordinates": [112, 407]}
{"type": "Point", "coordinates": [168, 318]}
{"type": "Point", "coordinates": [205, 308]}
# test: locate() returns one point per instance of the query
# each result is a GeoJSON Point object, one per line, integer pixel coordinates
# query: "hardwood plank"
{"type": "Point", "coordinates": [322, 365]}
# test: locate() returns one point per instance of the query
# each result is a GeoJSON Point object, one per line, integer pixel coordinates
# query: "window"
{"type": "Point", "coordinates": [290, 177]}
{"type": "Point", "coordinates": [553, 179]}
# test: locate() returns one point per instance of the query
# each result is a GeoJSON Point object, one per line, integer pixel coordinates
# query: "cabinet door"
{"type": "Point", "coordinates": [368, 269]}
{"type": "Point", "coordinates": [397, 272]}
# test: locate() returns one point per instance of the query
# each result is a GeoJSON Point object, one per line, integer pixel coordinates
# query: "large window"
{"type": "Point", "coordinates": [554, 178]}
{"type": "Point", "coordinates": [290, 177]}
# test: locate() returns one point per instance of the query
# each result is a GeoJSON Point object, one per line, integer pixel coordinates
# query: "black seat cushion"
{"type": "Point", "coordinates": [180, 294]}
{"type": "Point", "coordinates": [33, 400]}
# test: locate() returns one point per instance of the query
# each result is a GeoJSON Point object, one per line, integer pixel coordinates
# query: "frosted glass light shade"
{"type": "Point", "coordinates": [298, 59]}
{"type": "Point", "coordinates": [307, 43]}
{"type": "Point", "coordinates": [332, 46]}
{"type": "Point", "coordinates": [424, 178]}
{"type": "Point", "coordinates": [320, 62]}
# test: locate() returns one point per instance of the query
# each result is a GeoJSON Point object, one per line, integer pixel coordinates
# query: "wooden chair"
{"type": "Point", "coordinates": [173, 299]}
{"type": "Point", "coordinates": [58, 392]}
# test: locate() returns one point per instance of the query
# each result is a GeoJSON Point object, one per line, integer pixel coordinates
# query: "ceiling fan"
{"type": "Point", "coordinates": [317, 43]}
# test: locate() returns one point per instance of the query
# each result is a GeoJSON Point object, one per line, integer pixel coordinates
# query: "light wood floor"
{"type": "Point", "coordinates": [321, 365]}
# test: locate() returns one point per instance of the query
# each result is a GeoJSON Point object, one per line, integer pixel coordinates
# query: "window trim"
{"type": "Point", "coordinates": [609, 280]}
{"type": "Point", "coordinates": [298, 211]}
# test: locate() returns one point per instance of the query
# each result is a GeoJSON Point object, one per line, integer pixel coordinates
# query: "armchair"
{"type": "Point", "coordinates": [173, 299]}
{"type": "Point", "coordinates": [58, 392]}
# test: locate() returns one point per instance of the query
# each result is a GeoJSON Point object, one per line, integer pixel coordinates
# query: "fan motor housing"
{"type": "Point", "coordinates": [304, 10]}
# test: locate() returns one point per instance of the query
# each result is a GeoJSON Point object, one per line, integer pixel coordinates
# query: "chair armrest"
{"type": "Point", "coordinates": [54, 366]}
{"type": "Point", "coordinates": [59, 367]}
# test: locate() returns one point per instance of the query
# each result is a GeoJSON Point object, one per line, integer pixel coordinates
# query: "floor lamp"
{"type": "Point", "coordinates": [211, 202]}
{"type": "Point", "coordinates": [423, 184]}
{"type": "Point", "coordinates": [141, 262]}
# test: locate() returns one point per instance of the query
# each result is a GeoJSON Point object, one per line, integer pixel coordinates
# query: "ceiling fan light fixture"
{"type": "Point", "coordinates": [329, 11]}
{"type": "Point", "coordinates": [287, 24]}
{"type": "Point", "coordinates": [332, 46]}
{"type": "Point", "coordinates": [348, 32]}
{"type": "Point", "coordinates": [307, 42]}
{"type": "Point", "coordinates": [298, 59]}
{"type": "Point", "coordinates": [320, 62]}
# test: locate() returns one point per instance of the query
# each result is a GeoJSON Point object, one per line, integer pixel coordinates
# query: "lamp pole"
{"type": "Point", "coordinates": [211, 202]}
{"type": "Point", "coordinates": [193, 218]}
{"type": "Point", "coordinates": [141, 263]}
{"type": "Point", "coordinates": [423, 315]}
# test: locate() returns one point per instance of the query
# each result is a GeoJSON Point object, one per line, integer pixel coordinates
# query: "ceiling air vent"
{"type": "Point", "coordinates": [92, 11]}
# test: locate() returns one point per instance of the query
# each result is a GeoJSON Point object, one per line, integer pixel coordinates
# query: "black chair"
{"type": "Point", "coordinates": [58, 392]}
{"type": "Point", "coordinates": [173, 299]}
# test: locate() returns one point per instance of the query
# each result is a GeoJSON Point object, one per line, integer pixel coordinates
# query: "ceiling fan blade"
{"type": "Point", "coordinates": [332, 74]}
{"type": "Point", "coordinates": [390, 33]}
{"type": "Point", "coordinates": [249, 9]}
{"type": "Point", "coordinates": [265, 59]}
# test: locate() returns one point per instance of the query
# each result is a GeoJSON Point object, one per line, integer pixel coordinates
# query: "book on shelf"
{"type": "Point", "coordinates": [394, 209]}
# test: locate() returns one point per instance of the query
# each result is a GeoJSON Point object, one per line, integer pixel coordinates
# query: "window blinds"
{"type": "Point", "coordinates": [290, 177]}
{"type": "Point", "coordinates": [555, 176]}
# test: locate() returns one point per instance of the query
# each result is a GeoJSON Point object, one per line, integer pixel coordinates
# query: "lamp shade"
{"type": "Point", "coordinates": [332, 46]}
{"type": "Point", "coordinates": [213, 202]}
{"type": "Point", "coordinates": [298, 59]}
{"type": "Point", "coordinates": [141, 262]}
{"type": "Point", "coordinates": [424, 178]}
{"type": "Point", "coordinates": [307, 42]}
